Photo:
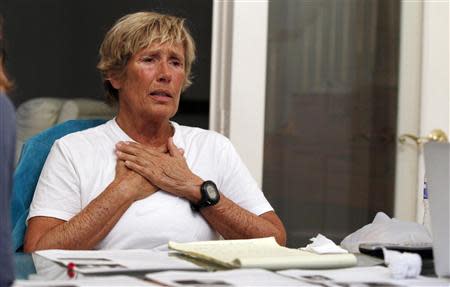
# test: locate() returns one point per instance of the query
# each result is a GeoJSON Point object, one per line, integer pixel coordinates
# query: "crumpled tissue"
{"type": "Point", "coordinates": [402, 265]}
{"type": "Point", "coordinates": [322, 245]}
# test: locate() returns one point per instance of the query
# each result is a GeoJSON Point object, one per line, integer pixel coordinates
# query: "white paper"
{"type": "Point", "coordinates": [238, 277]}
{"type": "Point", "coordinates": [48, 270]}
{"type": "Point", "coordinates": [105, 281]}
{"type": "Point", "coordinates": [358, 276]}
{"type": "Point", "coordinates": [96, 261]}
{"type": "Point", "coordinates": [322, 245]}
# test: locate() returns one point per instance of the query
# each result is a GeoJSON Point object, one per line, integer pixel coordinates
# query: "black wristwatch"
{"type": "Point", "coordinates": [210, 195]}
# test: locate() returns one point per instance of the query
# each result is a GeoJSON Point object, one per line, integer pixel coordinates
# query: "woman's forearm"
{"type": "Point", "coordinates": [234, 222]}
{"type": "Point", "coordinates": [86, 229]}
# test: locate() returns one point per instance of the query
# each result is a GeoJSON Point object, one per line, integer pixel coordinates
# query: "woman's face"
{"type": "Point", "coordinates": [152, 82]}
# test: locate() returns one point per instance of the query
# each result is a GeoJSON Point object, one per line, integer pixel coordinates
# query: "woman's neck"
{"type": "Point", "coordinates": [153, 133]}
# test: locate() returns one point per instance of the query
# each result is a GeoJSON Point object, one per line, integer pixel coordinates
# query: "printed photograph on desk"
{"type": "Point", "coordinates": [98, 261]}
{"type": "Point", "coordinates": [202, 283]}
{"type": "Point", "coordinates": [45, 285]}
{"type": "Point", "coordinates": [322, 280]}
{"type": "Point", "coordinates": [366, 284]}
{"type": "Point", "coordinates": [86, 264]}
{"type": "Point", "coordinates": [84, 258]}
{"type": "Point", "coordinates": [105, 267]}
{"type": "Point", "coordinates": [234, 277]}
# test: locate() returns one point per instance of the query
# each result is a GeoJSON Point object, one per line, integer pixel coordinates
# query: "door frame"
{"type": "Point", "coordinates": [238, 77]}
{"type": "Point", "coordinates": [408, 117]}
{"type": "Point", "coordinates": [424, 96]}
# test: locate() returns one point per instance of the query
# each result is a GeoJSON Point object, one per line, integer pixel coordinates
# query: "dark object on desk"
{"type": "Point", "coordinates": [7, 151]}
{"type": "Point", "coordinates": [424, 251]}
{"type": "Point", "coordinates": [376, 249]}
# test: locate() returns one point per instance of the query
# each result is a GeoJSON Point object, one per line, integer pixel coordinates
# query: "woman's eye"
{"type": "Point", "coordinates": [176, 63]}
{"type": "Point", "coordinates": [148, 59]}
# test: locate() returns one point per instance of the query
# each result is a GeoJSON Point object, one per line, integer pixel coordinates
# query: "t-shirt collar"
{"type": "Point", "coordinates": [123, 136]}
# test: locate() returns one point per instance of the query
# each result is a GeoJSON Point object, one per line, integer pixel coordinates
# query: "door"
{"type": "Point", "coordinates": [331, 114]}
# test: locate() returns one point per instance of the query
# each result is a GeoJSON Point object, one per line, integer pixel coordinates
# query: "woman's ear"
{"type": "Point", "coordinates": [115, 81]}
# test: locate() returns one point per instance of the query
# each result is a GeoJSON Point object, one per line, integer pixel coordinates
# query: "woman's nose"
{"type": "Point", "coordinates": [164, 72]}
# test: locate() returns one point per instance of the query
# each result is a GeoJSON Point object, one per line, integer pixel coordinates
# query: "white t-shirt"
{"type": "Point", "coordinates": [81, 165]}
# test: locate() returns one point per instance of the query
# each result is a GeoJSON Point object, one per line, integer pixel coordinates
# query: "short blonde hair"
{"type": "Point", "coordinates": [137, 31]}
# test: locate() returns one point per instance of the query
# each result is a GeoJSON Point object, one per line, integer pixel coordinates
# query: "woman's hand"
{"type": "Point", "coordinates": [135, 183]}
{"type": "Point", "coordinates": [169, 171]}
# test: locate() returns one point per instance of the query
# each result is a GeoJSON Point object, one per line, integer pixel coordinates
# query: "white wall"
{"type": "Point", "coordinates": [241, 25]}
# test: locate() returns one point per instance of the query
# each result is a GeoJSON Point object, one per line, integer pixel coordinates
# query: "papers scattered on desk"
{"type": "Point", "coordinates": [239, 277]}
{"type": "Point", "coordinates": [86, 282]}
{"type": "Point", "coordinates": [105, 261]}
{"type": "Point", "coordinates": [260, 253]}
{"type": "Point", "coordinates": [359, 276]}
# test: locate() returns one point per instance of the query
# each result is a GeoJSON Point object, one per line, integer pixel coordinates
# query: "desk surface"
{"type": "Point", "coordinates": [26, 265]}
{"type": "Point", "coordinates": [35, 267]}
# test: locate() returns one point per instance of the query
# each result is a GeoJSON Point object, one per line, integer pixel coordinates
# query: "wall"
{"type": "Point", "coordinates": [53, 47]}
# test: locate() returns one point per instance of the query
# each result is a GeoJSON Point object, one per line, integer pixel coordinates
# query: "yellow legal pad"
{"type": "Point", "coordinates": [260, 253]}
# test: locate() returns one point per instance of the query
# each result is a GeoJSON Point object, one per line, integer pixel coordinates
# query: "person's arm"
{"type": "Point", "coordinates": [7, 150]}
{"type": "Point", "coordinates": [95, 221]}
{"type": "Point", "coordinates": [171, 173]}
{"type": "Point", "coordinates": [234, 222]}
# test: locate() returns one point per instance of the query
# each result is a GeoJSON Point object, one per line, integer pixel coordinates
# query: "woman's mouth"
{"type": "Point", "coordinates": [161, 95]}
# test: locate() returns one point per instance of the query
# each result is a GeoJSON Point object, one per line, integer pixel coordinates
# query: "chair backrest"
{"type": "Point", "coordinates": [32, 159]}
{"type": "Point", "coordinates": [38, 114]}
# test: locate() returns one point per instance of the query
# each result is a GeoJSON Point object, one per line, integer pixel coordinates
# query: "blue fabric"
{"type": "Point", "coordinates": [32, 159]}
{"type": "Point", "coordinates": [7, 152]}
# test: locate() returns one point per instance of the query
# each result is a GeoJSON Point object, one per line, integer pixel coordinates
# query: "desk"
{"type": "Point", "coordinates": [26, 265]}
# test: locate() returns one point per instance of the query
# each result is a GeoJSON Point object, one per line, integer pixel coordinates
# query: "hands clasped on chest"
{"type": "Point", "coordinates": [148, 169]}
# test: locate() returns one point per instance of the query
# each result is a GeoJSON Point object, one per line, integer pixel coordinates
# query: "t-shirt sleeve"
{"type": "Point", "coordinates": [237, 183]}
{"type": "Point", "coordinates": [57, 192]}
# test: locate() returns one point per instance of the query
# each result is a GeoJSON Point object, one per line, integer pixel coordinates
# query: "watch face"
{"type": "Point", "coordinates": [212, 192]}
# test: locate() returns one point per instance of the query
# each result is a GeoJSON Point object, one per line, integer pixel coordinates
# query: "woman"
{"type": "Point", "coordinates": [141, 180]}
{"type": "Point", "coordinates": [7, 151]}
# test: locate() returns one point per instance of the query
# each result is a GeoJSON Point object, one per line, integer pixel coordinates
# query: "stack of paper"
{"type": "Point", "coordinates": [360, 276]}
{"type": "Point", "coordinates": [110, 281]}
{"type": "Point", "coordinates": [238, 277]}
{"type": "Point", "coordinates": [104, 261]}
{"type": "Point", "coordinates": [260, 253]}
